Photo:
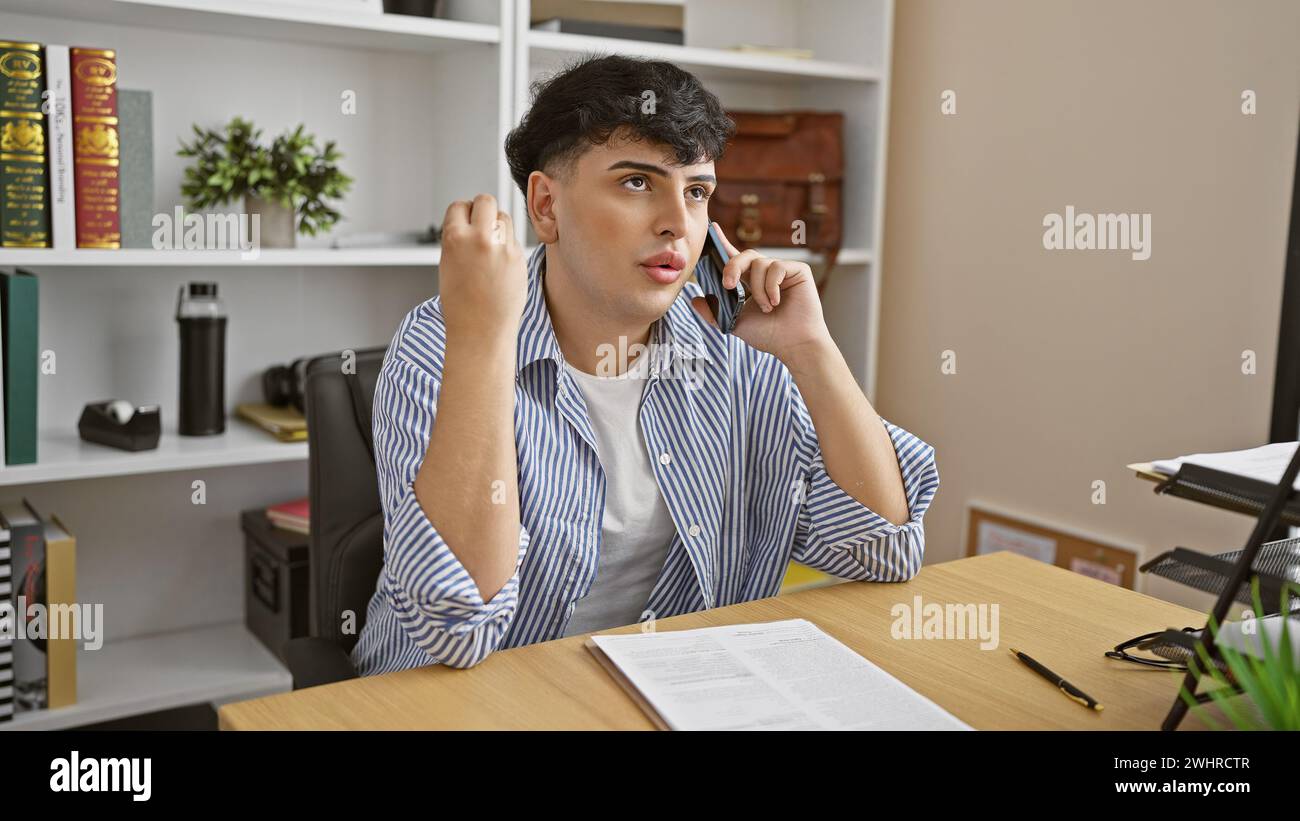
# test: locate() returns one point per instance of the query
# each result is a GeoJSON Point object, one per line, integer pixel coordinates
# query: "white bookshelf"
{"type": "Point", "coordinates": [406, 257]}
{"type": "Point", "coordinates": [108, 315]}
{"type": "Point", "coordinates": [265, 21]}
{"type": "Point", "coordinates": [65, 457]}
{"type": "Point", "coordinates": [218, 663]}
{"type": "Point", "coordinates": [706, 63]}
{"type": "Point", "coordinates": [436, 99]}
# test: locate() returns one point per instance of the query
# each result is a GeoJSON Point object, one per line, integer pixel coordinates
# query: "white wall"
{"type": "Point", "coordinates": [1073, 364]}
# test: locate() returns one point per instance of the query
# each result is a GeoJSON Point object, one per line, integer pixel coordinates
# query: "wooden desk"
{"type": "Point", "coordinates": [1064, 620]}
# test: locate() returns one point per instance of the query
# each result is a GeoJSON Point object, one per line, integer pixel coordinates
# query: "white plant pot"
{"type": "Point", "coordinates": [275, 222]}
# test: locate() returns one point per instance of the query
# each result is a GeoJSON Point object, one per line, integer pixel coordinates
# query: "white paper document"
{"type": "Point", "coordinates": [1264, 463]}
{"type": "Point", "coordinates": [1249, 636]}
{"type": "Point", "coordinates": [780, 675]}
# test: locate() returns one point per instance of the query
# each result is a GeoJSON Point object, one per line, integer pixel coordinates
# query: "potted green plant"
{"type": "Point", "coordinates": [290, 178]}
{"type": "Point", "coordinates": [1269, 679]}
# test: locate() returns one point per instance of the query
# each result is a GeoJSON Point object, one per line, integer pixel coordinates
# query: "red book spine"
{"type": "Point", "coordinates": [95, 154]}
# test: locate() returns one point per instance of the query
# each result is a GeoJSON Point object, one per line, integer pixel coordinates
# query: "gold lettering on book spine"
{"type": "Point", "coordinates": [96, 71]}
{"type": "Point", "coordinates": [97, 140]}
{"type": "Point", "coordinates": [21, 65]}
{"type": "Point", "coordinates": [24, 136]}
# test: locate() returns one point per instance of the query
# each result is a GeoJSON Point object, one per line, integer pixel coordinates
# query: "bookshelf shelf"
{"type": "Point", "coordinates": [64, 456]}
{"type": "Point", "coordinates": [706, 63]}
{"type": "Point", "coordinates": [414, 256]}
{"type": "Point", "coordinates": [215, 663]}
{"type": "Point", "coordinates": [265, 21]}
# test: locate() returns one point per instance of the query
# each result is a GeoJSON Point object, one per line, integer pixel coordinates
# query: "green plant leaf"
{"type": "Point", "coordinates": [230, 162]}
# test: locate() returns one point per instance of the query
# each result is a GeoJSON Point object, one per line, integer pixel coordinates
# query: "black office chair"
{"type": "Point", "coordinates": [346, 550]}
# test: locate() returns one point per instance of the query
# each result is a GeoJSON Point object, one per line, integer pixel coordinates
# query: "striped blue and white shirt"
{"type": "Point", "coordinates": [735, 457]}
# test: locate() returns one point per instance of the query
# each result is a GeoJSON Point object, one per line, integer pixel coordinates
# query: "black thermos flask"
{"type": "Point", "coordinates": [202, 320]}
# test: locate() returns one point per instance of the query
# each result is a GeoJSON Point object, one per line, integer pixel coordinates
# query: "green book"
{"type": "Point", "coordinates": [20, 305]}
{"type": "Point", "coordinates": [24, 185]}
{"type": "Point", "coordinates": [135, 130]}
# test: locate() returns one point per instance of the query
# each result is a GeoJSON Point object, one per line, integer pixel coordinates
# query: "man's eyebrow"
{"type": "Point", "coordinates": [654, 169]}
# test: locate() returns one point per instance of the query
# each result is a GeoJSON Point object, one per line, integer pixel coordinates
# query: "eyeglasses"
{"type": "Point", "coordinates": [1121, 652]}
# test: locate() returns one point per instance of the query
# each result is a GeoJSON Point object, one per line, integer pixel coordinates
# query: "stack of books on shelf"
{"type": "Point", "coordinates": [284, 422]}
{"type": "Point", "coordinates": [77, 168]}
{"type": "Point", "coordinates": [657, 22]}
{"type": "Point", "coordinates": [6, 629]}
{"type": "Point", "coordinates": [293, 516]}
{"type": "Point", "coordinates": [40, 619]}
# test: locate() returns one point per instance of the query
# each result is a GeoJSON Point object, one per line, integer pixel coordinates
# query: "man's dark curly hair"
{"type": "Point", "coordinates": [585, 103]}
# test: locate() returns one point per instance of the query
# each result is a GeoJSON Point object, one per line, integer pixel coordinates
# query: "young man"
{"type": "Point", "coordinates": [526, 497]}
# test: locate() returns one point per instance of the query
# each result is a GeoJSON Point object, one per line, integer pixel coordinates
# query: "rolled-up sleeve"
{"type": "Point", "coordinates": [432, 595]}
{"type": "Point", "coordinates": [839, 535]}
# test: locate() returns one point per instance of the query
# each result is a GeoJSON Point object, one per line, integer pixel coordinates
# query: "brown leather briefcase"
{"type": "Point", "coordinates": [779, 168]}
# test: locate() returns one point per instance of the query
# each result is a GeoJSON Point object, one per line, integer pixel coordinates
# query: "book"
{"type": "Point", "coordinates": [6, 631]}
{"type": "Point", "coordinates": [653, 13]}
{"type": "Point", "coordinates": [135, 114]}
{"type": "Point", "coordinates": [19, 303]}
{"type": "Point", "coordinates": [95, 148]}
{"type": "Point", "coordinates": [286, 423]}
{"type": "Point", "coordinates": [27, 561]}
{"type": "Point", "coordinates": [61, 589]}
{"type": "Point", "coordinates": [6, 576]}
{"type": "Point", "coordinates": [779, 675]}
{"type": "Point", "coordinates": [24, 189]}
{"type": "Point", "coordinates": [621, 31]}
{"type": "Point", "coordinates": [2, 385]}
{"type": "Point", "coordinates": [63, 206]}
{"type": "Point", "coordinates": [294, 516]}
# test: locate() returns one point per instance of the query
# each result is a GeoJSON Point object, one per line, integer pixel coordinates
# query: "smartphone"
{"type": "Point", "coordinates": [730, 300]}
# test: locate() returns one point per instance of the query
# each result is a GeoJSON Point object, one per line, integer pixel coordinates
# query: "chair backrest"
{"type": "Point", "coordinates": [347, 523]}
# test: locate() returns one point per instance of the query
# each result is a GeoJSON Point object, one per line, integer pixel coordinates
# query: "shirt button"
{"type": "Point", "coordinates": [664, 458]}
{"type": "Point", "coordinates": [694, 530]}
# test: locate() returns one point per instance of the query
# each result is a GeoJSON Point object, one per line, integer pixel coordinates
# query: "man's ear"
{"type": "Point", "coordinates": [541, 207]}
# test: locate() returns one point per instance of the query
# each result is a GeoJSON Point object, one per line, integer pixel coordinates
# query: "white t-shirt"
{"type": "Point", "coordinates": [636, 529]}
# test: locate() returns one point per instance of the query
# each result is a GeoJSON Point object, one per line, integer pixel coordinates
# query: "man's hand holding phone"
{"type": "Point", "coordinates": [482, 278]}
{"type": "Point", "coordinates": [783, 314]}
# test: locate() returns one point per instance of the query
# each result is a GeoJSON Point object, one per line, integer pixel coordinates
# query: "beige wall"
{"type": "Point", "coordinates": [1071, 364]}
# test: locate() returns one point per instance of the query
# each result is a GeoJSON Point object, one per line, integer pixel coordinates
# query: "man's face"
{"type": "Point", "coordinates": [622, 205]}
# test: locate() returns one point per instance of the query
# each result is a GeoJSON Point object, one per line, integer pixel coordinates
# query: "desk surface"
{"type": "Point", "coordinates": [1064, 620]}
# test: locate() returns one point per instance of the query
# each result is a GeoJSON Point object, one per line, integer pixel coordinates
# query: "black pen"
{"type": "Point", "coordinates": [1065, 687]}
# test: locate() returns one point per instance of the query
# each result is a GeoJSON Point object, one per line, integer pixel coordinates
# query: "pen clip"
{"type": "Point", "coordinates": [1072, 693]}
